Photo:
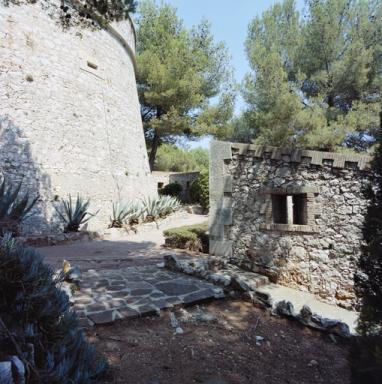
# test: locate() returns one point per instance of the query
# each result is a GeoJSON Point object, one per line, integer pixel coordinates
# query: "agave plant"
{"type": "Point", "coordinates": [74, 214]}
{"type": "Point", "coordinates": [150, 209]}
{"type": "Point", "coordinates": [161, 206]}
{"type": "Point", "coordinates": [35, 312]}
{"type": "Point", "coordinates": [13, 208]}
{"type": "Point", "coordinates": [169, 204]}
{"type": "Point", "coordinates": [125, 213]}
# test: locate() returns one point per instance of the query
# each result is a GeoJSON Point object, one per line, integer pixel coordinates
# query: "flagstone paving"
{"type": "Point", "coordinates": [109, 295]}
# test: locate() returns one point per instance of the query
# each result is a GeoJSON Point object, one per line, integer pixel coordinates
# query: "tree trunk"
{"type": "Point", "coordinates": [330, 100]}
{"type": "Point", "coordinates": [154, 148]}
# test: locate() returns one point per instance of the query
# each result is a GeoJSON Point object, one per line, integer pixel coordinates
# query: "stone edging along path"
{"type": "Point", "coordinates": [297, 305]}
{"type": "Point", "coordinates": [109, 295]}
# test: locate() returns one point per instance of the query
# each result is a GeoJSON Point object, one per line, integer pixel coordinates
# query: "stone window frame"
{"type": "Point", "coordinates": [312, 207]}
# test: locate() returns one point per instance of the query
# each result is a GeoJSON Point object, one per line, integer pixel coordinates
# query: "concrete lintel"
{"type": "Point", "coordinates": [289, 228]}
{"type": "Point", "coordinates": [289, 190]}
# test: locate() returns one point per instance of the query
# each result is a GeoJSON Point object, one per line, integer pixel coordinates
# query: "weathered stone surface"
{"type": "Point", "coordinates": [285, 308]}
{"type": "Point", "coordinates": [239, 284]}
{"type": "Point", "coordinates": [140, 292]}
{"type": "Point", "coordinates": [174, 300]}
{"type": "Point", "coordinates": [199, 296]}
{"type": "Point", "coordinates": [157, 289]}
{"type": "Point", "coordinates": [95, 308]}
{"type": "Point", "coordinates": [176, 288]}
{"type": "Point", "coordinates": [171, 261]}
{"type": "Point", "coordinates": [162, 303]}
{"type": "Point", "coordinates": [147, 310]}
{"type": "Point", "coordinates": [184, 179]}
{"type": "Point", "coordinates": [104, 317]}
{"type": "Point", "coordinates": [128, 313]}
{"type": "Point", "coordinates": [62, 121]}
{"type": "Point", "coordinates": [219, 278]}
{"type": "Point", "coordinates": [320, 253]}
{"type": "Point", "coordinates": [305, 308]}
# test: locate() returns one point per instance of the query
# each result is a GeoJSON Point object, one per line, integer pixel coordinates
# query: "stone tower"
{"type": "Point", "coordinates": [69, 111]}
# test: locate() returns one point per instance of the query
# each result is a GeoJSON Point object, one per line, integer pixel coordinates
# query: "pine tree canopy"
{"type": "Point", "coordinates": [179, 72]}
{"type": "Point", "coordinates": [316, 78]}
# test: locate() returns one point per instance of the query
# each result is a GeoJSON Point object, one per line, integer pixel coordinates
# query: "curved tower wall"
{"type": "Point", "coordinates": [69, 112]}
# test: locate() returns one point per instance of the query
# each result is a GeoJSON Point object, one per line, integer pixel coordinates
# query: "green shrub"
{"type": "Point", "coordinates": [193, 237]}
{"type": "Point", "coordinates": [172, 189]}
{"type": "Point", "coordinates": [199, 190]}
{"type": "Point", "coordinates": [13, 208]}
{"type": "Point", "coordinates": [171, 158]}
{"type": "Point", "coordinates": [37, 324]}
{"type": "Point", "coordinates": [74, 215]}
{"type": "Point", "coordinates": [125, 213]}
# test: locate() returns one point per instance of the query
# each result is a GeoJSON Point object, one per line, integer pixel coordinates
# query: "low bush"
{"type": "Point", "coordinates": [172, 189]}
{"type": "Point", "coordinates": [199, 190]}
{"type": "Point", "coordinates": [74, 214]}
{"type": "Point", "coordinates": [193, 237]}
{"type": "Point", "coordinates": [37, 324]}
{"type": "Point", "coordinates": [14, 209]}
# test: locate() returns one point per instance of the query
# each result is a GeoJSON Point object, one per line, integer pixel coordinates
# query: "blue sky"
{"type": "Point", "coordinates": [229, 24]}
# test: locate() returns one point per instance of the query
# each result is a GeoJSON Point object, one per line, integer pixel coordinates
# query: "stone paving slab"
{"type": "Point", "coordinates": [109, 295]}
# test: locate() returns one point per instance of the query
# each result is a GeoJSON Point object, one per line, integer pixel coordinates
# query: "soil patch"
{"type": "Point", "coordinates": [235, 343]}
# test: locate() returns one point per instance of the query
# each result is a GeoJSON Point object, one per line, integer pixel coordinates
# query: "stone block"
{"type": "Point", "coordinates": [199, 296]}
{"type": "Point", "coordinates": [221, 248]}
{"type": "Point", "coordinates": [104, 317]}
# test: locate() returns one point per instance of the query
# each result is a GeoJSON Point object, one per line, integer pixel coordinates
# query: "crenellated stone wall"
{"type": "Point", "coordinates": [293, 215]}
{"type": "Point", "coordinates": [69, 111]}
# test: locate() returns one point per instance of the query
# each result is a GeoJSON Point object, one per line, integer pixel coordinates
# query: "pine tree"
{"type": "Point", "coordinates": [317, 77]}
{"type": "Point", "coordinates": [179, 72]}
{"type": "Point", "coordinates": [366, 350]}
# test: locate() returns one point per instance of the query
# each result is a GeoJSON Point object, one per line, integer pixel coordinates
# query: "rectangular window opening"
{"type": "Point", "coordinates": [279, 209]}
{"type": "Point", "coordinates": [300, 214]}
{"type": "Point", "coordinates": [290, 209]}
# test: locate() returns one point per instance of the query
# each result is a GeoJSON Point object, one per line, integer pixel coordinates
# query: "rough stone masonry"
{"type": "Point", "coordinates": [295, 216]}
{"type": "Point", "coordinates": [69, 111]}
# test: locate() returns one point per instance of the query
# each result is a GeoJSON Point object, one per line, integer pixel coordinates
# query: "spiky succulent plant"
{"type": "Point", "coordinates": [14, 209]}
{"type": "Point", "coordinates": [75, 213]}
{"type": "Point", "coordinates": [125, 213]}
{"type": "Point", "coordinates": [37, 323]}
{"type": "Point", "coordinates": [157, 207]}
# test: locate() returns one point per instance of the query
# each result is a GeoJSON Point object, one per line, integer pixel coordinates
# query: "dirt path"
{"type": "Point", "coordinates": [142, 248]}
{"type": "Point", "coordinates": [225, 351]}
